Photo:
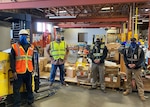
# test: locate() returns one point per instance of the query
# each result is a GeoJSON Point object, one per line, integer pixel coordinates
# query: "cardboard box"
{"type": "Point", "coordinates": [112, 70]}
{"type": "Point", "coordinates": [70, 72]}
{"type": "Point", "coordinates": [113, 53]}
{"type": "Point", "coordinates": [112, 81]}
{"type": "Point", "coordinates": [47, 67]}
{"type": "Point", "coordinates": [41, 66]}
{"type": "Point", "coordinates": [42, 63]}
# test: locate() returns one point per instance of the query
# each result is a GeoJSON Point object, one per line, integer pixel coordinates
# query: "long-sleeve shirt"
{"type": "Point", "coordinates": [13, 57]}
{"type": "Point", "coordinates": [101, 58]}
{"type": "Point", "coordinates": [129, 53]}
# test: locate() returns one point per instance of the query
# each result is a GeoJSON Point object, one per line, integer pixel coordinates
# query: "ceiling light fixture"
{"type": "Point", "coordinates": [107, 8]}
{"type": "Point", "coordinates": [145, 20]}
{"type": "Point", "coordinates": [61, 17]}
{"type": "Point", "coordinates": [63, 11]}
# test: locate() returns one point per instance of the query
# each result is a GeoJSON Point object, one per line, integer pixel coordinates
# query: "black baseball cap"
{"type": "Point", "coordinates": [133, 39]}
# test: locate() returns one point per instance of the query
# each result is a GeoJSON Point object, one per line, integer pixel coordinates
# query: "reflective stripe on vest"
{"type": "Point", "coordinates": [58, 50]}
{"type": "Point", "coordinates": [23, 59]}
{"type": "Point", "coordinates": [134, 58]}
{"type": "Point", "coordinates": [99, 54]}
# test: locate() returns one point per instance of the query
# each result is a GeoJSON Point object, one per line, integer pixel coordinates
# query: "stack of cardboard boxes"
{"type": "Point", "coordinates": [42, 63]}
{"type": "Point", "coordinates": [113, 54]}
{"type": "Point", "coordinates": [112, 77]}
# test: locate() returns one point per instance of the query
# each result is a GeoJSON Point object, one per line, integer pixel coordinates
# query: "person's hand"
{"type": "Point", "coordinates": [97, 61]}
{"type": "Point", "coordinates": [65, 58]}
{"type": "Point", "coordinates": [34, 73]}
{"type": "Point", "coordinates": [15, 76]}
{"type": "Point", "coordinates": [51, 58]}
{"type": "Point", "coordinates": [131, 65]}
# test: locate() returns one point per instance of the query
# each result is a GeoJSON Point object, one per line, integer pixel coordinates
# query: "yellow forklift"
{"type": "Point", "coordinates": [40, 86]}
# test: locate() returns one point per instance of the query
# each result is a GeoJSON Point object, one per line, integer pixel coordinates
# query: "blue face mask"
{"type": "Point", "coordinates": [23, 39]}
{"type": "Point", "coordinates": [133, 44]}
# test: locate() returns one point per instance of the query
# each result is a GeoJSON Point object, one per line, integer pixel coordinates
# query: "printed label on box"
{"type": "Point", "coordinates": [112, 54]}
{"type": "Point", "coordinates": [114, 79]}
{"type": "Point", "coordinates": [107, 79]}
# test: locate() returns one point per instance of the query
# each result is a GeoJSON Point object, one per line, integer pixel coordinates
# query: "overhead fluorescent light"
{"type": "Point", "coordinates": [56, 27]}
{"type": "Point", "coordinates": [107, 8]}
{"type": "Point", "coordinates": [61, 17]}
{"type": "Point", "coordinates": [63, 11]}
{"type": "Point", "coordinates": [147, 10]}
{"type": "Point", "coordinates": [144, 20]}
{"type": "Point", "coordinates": [140, 23]}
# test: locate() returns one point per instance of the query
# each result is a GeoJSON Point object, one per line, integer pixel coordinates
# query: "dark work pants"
{"type": "Point", "coordinates": [22, 78]}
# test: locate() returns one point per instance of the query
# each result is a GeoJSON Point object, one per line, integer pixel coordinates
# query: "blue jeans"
{"type": "Point", "coordinates": [53, 73]}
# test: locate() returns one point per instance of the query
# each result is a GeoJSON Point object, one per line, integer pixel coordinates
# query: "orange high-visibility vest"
{"type": "Point", "coordinates": [23, 59]}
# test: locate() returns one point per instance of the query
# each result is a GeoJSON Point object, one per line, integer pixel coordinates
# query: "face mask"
{"type": "Point", "coordinates": [97, 43]}
{"type": "Point", "coordinates": [133, 44]}
{"type": "Point", "coordinates": [23, 39]}
{"type": "Point", "coordinates": [58, 39]}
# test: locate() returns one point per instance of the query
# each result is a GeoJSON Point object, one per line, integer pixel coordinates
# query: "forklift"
{"type": "Point", "coordinates": [40, 86]}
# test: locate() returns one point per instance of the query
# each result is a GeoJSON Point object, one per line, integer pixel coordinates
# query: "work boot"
{"type": "Point", "coordinates": [93, 87]}
{"type": "Point", "coordinates": [103, 90]}
{"type": "Point", "coordinates": [126, 92]}
{"type": "Point", "coordinates": [64, 84]}
{"type": "Point", "coordinates": [142, 98]}
{"type": "Point", "coordinates": [50, 84]}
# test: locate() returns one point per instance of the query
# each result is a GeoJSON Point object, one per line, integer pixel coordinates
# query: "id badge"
{"type": "Point", "coordinates": [135, 56]}
{"type": "Point", "coordinates": [101, 50]}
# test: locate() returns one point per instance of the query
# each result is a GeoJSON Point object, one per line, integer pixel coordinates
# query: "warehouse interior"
{"type": "Point", "coordinates": [80, 23]}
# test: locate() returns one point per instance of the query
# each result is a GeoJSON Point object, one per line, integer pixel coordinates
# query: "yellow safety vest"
{"type": "Point", "coordinates": [58, 50]}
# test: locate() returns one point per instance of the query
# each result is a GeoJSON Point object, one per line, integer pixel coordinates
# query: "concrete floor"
{"type": "Point", "coordinates": [80, 96]}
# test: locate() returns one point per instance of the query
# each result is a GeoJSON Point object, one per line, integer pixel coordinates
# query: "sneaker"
{"type": "Point", "coordinates": [142, 98]}
{"type": "Point", "coordinates": [126, 92]}
{"type": "Point", "coordinates": [30, 103]}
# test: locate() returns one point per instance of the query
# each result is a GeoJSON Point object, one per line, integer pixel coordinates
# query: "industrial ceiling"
{"type": "Point", "coordinates": [80, 13]}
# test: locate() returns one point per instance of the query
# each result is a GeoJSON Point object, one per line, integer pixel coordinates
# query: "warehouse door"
{"type": "Point", "coordinates": [82, 37]}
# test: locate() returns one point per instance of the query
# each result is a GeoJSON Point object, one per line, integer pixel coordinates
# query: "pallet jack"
{"type": "Point", "coordinates": [40, 85]}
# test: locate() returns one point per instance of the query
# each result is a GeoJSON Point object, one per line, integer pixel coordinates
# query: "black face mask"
{"type": "Point", "coordinates": [58, 40]}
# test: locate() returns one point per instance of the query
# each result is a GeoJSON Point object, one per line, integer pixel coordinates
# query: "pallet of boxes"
{"type": "Point", "coordinates": [83, 71]}
{"type": "Point", "coordinates": [112, 76]}
{"type": "Point", "coordinates": [78, 72]}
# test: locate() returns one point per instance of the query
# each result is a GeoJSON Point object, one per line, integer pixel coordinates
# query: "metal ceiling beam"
{"type": "Point", "coordinates": [58, 3]}
{"type": "Point", "coordinates": [88, 25]}
{"type": "Point", "coordinates": [118, 19]}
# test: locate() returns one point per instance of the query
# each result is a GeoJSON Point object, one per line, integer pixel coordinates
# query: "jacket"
{"type": "Point", "coordinates": [98, 52]}
{"type": "Point", "coordinates": [134, 57]}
